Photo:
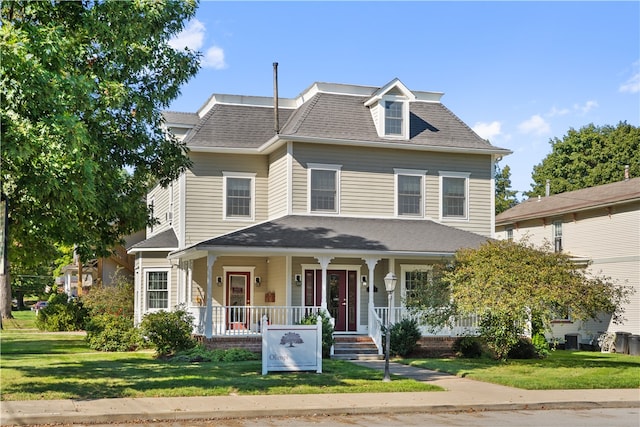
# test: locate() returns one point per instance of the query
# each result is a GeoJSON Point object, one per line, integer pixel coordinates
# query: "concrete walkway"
{"type": "Point", "coordinates": [460, 395]}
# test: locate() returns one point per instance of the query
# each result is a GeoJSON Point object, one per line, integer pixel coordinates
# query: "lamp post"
{"type": "Point", "coordinates": [390, 281]}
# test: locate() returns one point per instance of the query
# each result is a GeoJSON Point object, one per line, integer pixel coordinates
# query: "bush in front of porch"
{"type": "Point", "coordinates": [327, 331]}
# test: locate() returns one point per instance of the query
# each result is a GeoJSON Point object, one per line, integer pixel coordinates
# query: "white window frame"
{"type": "Point", "coordinates": [252, 187]}
{"type": "Point", "coordinates": [405, 117]}
{"type": "Point", "coordinates": [408, 268]}
{"type": "Point", "coordinates": [146, 271]}
{"type": "Point", "coordinates": [557, 235]}
{"type": "Point", "coordinates": [442, 177]}
{"type": "Point", "coordinates": [409, 172]}
{"type": "Point", "coordinates": [326, 167]}
{"type": "Point", "coordinates": [508, 232]}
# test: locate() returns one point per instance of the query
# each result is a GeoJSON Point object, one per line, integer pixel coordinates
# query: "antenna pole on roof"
{"type": "Point", "coordinates": [276, 124]}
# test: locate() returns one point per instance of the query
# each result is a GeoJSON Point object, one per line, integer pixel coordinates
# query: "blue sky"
{"type": "Point", "coordinates": [518, 73]}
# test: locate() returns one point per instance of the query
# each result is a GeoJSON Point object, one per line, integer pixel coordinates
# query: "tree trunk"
{"type": "Point", "coordinates": [5, 297]}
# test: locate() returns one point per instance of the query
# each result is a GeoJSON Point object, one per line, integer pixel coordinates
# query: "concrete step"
{"type": "Point", "coordinates": [355, 347]}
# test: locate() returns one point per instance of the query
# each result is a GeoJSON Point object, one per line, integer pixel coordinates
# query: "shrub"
{"type": "Point", "coordinates": [201, 354]}
{"type": "Point", "coordinates": [541, 345]}
{"type": "Point", "coordinates": [327, 330]}
{"type": "Point", "coordinates": [168, 331]}
{"type": "Point", "coordinates": [523, 350]}
{"type": "Point", "coordinates": [116, 299]}
{"type": "Point", "coordinates": [468, 347]}
{"type": "Point", "coordinates": [62, 314]}
{"type": "Point", "coordinates": [501, 332]}
{"type": "Point", "coordinates": [108, 332]}
{"type": "Point", "coordinates": [404, 337]}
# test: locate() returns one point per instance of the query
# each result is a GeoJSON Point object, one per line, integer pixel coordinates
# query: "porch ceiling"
{"type": "Point", "coordinates": [340, 235]}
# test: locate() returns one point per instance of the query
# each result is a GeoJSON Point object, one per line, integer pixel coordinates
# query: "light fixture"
{"type": "Point", "coordinates": [219, 280]}
{"type": "Point", "coordinates": [298, 280]}
{"type": "Point", "coordinates": [363, 279]}
{"type": "Point", "coordinates": [258, 281]}
{"type": "Point", "coordinates": [390, 281]}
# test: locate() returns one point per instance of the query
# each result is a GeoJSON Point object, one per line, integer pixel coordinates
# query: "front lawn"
{"type": "Point", "coordinates": [561, 370]}
{"type": "Point", "coordinates": [44, 366]}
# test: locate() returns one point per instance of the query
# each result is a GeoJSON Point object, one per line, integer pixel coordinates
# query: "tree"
{"type": "Point", "coordinates": [506, 198]}
{"type": "Point", "coordinates": [593, 155]}
{"type": "Point", "coordinates": [510, 283]}
{"type": "Point", "coordinates": [83, 86]}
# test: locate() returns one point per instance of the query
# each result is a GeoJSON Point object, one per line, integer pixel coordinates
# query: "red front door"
{"type": "Point", "coordinates": [341, 296]}
{"type": "Point", "coordinates": [238, 298]}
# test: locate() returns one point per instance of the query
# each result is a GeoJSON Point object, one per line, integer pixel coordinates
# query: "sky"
{"type": "Point", "coordinates": [520, 74]}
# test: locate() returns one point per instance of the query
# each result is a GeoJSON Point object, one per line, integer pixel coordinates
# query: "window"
{"type": "Point", "coordinates": [393, 118]}
{"type": "Point", "coordinates": [557, 236]}
{"type": "Point", "coordinates": [414, 277]}
{"type": "Point", "coordinates": [238, 195]}
{"type": "Point", "coordinates": [323, 188]}
{"type": "Point", "coordinates": [509, 232]}
{"type": "Point", "coordinates": [409, 192]}
{"type": "Point", "coordinates": [157, 290]}
{"type": "Point", "coordinates": [453, 187]}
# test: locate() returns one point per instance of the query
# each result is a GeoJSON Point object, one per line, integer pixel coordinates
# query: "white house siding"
{"type": "Point", "coordinates": [610, 238]}
{"type": "Point", "coordinates": [367, 181]}
{"type": "Point", "coordinates": [278, 183]}
{"type": "Point", "coordinates": [204, 198]}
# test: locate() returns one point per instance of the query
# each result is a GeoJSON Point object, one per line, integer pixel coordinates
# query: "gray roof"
{"type": "Point", "coordinates": [572, 201]}
{"type": "Point", "coordinates": [236, 126]}
{"type": "Point", "coordinates": [165, 240]}
{"type": "Point", "coordinates": [332, 233]}
{"type": "Point", "coordinates": [182, 118]}
{"type": "Point", "coordinates": [331, 116]}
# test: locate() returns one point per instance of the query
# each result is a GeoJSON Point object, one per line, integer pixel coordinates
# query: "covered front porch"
{"type": "Point", "coordinates": [286, 269]}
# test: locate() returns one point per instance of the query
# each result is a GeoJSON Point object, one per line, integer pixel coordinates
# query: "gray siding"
{"type": "Point", "coordinates": [367, 181]}
{"type": "Point", "coordinates": [204, 198]}
{"type": "Point", "coordinates": [278, 183]}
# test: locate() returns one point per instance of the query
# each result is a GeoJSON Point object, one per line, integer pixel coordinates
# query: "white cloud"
{"type": "Point", "coordinates": [214, 58]}
{"type": "Point", "coordinates": [193, 38]}
{"type": "Point", "coordinates": [535, 125]}
{"type": "Point", "coordinates": [554, 112]}
{"type": "Point", "coordinates": [632, 85]}
{"type": "Point", "coordinates": [487, 130]}
{"type": "Point", "coordinates": [586, 107]}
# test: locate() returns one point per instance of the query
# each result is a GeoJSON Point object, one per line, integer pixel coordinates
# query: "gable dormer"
{"type": "Point", "coordinates": [389, 108]}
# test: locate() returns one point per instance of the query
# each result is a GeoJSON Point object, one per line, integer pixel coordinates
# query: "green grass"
{"type": "Point", "coordinates": [44, 366]}
{"type": "Point", "coordinates": [561, 370]}
{"type": "Point", "coordinates": [23, 320]}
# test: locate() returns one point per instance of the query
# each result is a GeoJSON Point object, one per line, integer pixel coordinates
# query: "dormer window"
{"type": "Point", "coordinates": [393, 118]}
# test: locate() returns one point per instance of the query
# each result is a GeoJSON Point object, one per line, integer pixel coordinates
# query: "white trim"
{"type": "Point", "coordinates": [145, 301]}
{"type": "Point", "coordinates": [323, 166]}
{"type": "Point", "coordinates": [252, 188]}
{"type": "Point", "coordinates": [450, 174]}
{"type": "Point", "coordinates": [238, 269]}
{"type": "Point", "coordinates": [182, 206]}
{"type": "Point", "coordinates": [289, 178]}
{"type": "Point", "coordinates": [410, 172]}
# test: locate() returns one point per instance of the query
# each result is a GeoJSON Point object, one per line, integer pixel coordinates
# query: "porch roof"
{"type": "Point", "coordinates": [299, 234]}
{"type": "Point", "coordinates": [163, 241]}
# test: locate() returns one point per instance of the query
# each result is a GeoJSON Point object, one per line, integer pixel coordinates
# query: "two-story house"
{"type": "Point", "coordinates": [599, 226]}
{"type": "Point", "coordinates": [308, 209]}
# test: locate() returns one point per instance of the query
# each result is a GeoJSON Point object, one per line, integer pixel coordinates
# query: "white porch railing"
{"type": "Point", "coordinates": [375, 328]}
{"type": "Point", "coordinates": [467, 325]}
{"type": "Point", "coordinates": [247, 320]}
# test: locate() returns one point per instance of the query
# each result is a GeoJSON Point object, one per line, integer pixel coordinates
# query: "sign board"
{"type": "Point", "coordinates": [292, 347]}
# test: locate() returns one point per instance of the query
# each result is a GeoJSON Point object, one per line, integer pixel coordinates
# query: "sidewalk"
{"type": "Point", "coordinates": [460, 395]}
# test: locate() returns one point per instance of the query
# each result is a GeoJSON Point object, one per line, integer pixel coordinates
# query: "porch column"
{"type": "Point", "coordinates": [324, 263]}
{"type": "Point", "coordinates": [208, 316]}
{"type": "Point", "coordinates": [371, 264]}
{"type": "Point", "coordinates": [392, 269]}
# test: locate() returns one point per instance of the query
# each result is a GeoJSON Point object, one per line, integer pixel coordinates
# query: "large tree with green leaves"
{"type": "Point", "coordinates": [83, 86]}
{"type": "Point", "coordinates": [505, 197]}
{"type": "Point", "coordinates": [590, 156]}
{"type": "Point", "coordinates": [512, 283]}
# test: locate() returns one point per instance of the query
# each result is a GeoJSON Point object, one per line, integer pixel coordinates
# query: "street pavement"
{"type": "Point", "coordinates": [460, 394]}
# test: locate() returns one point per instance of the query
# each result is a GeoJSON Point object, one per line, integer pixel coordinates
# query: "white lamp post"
{"type": "Point", "coordinates": [390, 281]}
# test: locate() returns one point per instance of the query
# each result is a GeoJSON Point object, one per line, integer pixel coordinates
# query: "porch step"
{"type": "Point", "coordinates": [355, 347]}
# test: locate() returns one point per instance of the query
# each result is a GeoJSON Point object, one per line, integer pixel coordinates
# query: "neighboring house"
{"type": "Point", "coordinates": [600, 225]}
{"type": "Point", "coordinates": [107, 270]}
{"type": "Point", "coordinates": [310, 209]}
